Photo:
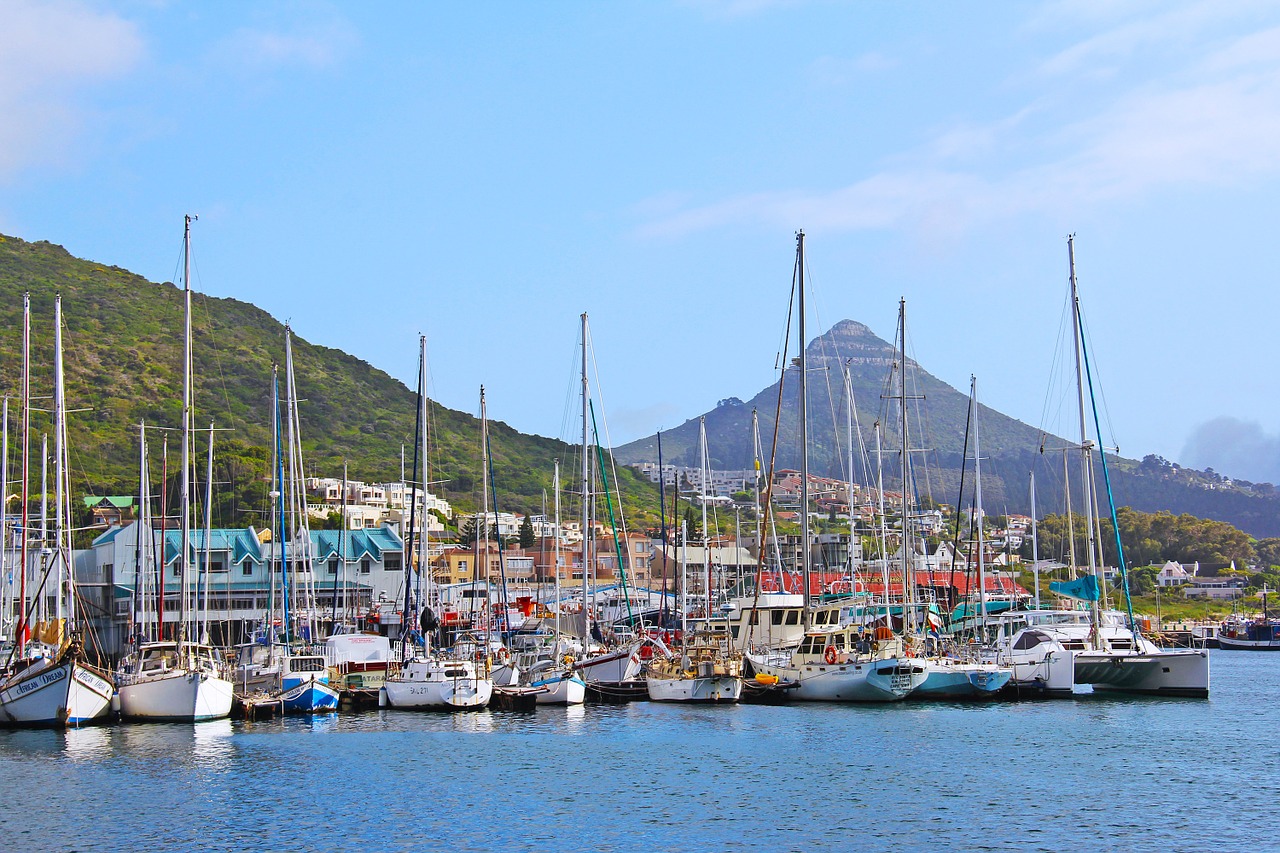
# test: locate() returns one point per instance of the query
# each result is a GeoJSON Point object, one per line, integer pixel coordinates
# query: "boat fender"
{"type": "Point", "coordinates": [830, 654]}
{"type": "Point", "coordinates": [568, 660]}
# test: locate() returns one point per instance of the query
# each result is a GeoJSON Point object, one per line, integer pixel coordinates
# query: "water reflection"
{"type": "Point", "coordinates": [92, 743]}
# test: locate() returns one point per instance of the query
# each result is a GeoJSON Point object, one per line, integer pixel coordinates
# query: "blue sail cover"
{"type": "Point", "coordinates": [1084, 588]}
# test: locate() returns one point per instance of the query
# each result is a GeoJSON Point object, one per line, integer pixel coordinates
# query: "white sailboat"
{"type": "Point", "coordinates": [707, 667]}
{"type": "Point", "coordinates": [834, 663]}
{"type": "Point", "coordinates": [611, 671]}
{"type": "Point", "coordinates": [50, 683]}
{"type": "Point", "coordinates": [962, 673]}
{"type": "Point", "coordinates": [430, 680]}
{"type": "Point", "coordinates": [177, 680]}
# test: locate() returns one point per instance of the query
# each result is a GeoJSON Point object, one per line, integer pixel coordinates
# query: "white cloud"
{"type": "Point", "coordinates": [49, 51]}
{"type": "Point", "coordinates": [1210, 119]}
{"type": "Point", "coordinates": [312, 43]}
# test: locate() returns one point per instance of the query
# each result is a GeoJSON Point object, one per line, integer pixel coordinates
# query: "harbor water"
{"type": "Point", "coordinates": [1095, 772]}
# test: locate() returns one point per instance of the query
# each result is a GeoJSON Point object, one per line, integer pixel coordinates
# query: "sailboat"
{"type": "Point", "coordinates": [50, 682]}
{"type": "Point", "coordinates": [177, 679]}
{"type": "Point", "coordinates": [707, 667]}
{"type": "Point", "coordinates": [840, 662]}
{"type": "Point", "coordinates": [429, 680]}
{"type": "Point", "coordinates": [610, 672]}
{"type": "Point", "coordinates": [1050, 650]}
{"type": "Point", "coordinates": [960, 672]}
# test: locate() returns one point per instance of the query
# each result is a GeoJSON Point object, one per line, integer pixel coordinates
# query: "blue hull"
{"type": "Point", "coordinates": [309, 698]}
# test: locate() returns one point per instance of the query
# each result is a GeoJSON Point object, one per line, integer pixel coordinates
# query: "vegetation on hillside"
{"type": "Point", "coordinates": [123, 354]}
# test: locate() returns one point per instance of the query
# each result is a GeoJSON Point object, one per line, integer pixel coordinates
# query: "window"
{"type": "Point", "coordinates": [217, 566]}
{"type": "Point", "coordinates": [333, 566]}
{"type": "Point", "coordinates": [246, 569]}
{"type": "Point", "coordinates": [392, 563]}
{"type": "Point", "coordinates": [366, 566]}
{"type": "Point", "coordinates": [777, 617]}
{"type": "Point", "coordinates": [177, 569]}
{"type": "Point", "coordinates": [793, 617]}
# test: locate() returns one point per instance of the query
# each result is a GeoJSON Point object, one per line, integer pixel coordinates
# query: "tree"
{"type": "Point", "coordinates": [527, 537]}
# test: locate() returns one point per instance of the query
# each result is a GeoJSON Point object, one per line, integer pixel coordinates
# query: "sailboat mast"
{"type": "Point", "coordinates": [424, 568]}
{"type": "Point", "coordinates": [908, 575]}
{"type": "Point", "coordinates": [555, 485]}
{"type": "Point", "coordinates": [59, 432]}
{"type": "Point", "coordinates": [586, 493]}
{"type": "Point", "coordinates": [1086, 446]}
{"type": "Point", "coordinates": [484, 509]}
{"type": "Point", "coordinates": [23, 628]}
{"type": "Point", "coordinates": [706, 534]}
{"type": "Point", "coordinates": [1035, 542]}
{"type": "Point", "coordinates": [208, 537]}
{"type": "Point", "coordinates": [139, 601]}
{"type": "Point", "coordinates": [184, 495]}
{"type": "Point", "coordinates": [977, 498]}
{"type": "Point", "coordinates": [804, 434]}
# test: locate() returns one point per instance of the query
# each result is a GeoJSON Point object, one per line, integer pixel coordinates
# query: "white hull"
{"type": "Point", "coordinates": [178, 695]}
{"type": "Point", "coordinates": [1050, 675]}
{"type": "Point", "coordinates": [613, 667]}
{"type": "Point", "coordinates": [54, 694]}
{"type": "Point", "coordinates": [716, 688]}
{"type": "Point", "coordinates": [1171, 673]}
{"type": "Point", "coordinates": [562, 689]}
{"type": "Point", "coordinates": [439, 685]}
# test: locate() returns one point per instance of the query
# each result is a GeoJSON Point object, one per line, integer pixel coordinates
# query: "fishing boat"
{"type": "Point", "coordinates": [177, 679]}
{"type": "Point", "coordinates": [1255, 635]}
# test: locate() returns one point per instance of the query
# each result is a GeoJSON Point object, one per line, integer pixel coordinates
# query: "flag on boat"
{"type": "Point", "coordinates": [1084, 588]}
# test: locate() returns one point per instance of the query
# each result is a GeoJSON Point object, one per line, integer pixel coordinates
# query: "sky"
{"type": "Point", "coordinates": [483, 173]}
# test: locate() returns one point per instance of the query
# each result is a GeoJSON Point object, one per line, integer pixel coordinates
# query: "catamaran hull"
{"type": "Point", "coordinates": [888, 680]}
{"type": "Point", "coordinates": [717, 688]}
{"type": "Point", "coordinates": [1173, 673]}
{"type": "Point", "coordinates": [177, 696]}
{"type": "Point", "coordinates": [461, 694]}
{"type": "Point", "coordinates": [310, 697]}
{"type": "Point", "coordinates": [65, 694]}
{"type": "Point", "coordinates": [945, 680]}
{"type": "Point", "coordinates": [1052, 676]}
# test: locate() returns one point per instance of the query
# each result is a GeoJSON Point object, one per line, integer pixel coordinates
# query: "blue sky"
{"type": "Point", "coordinates": [483, 173]}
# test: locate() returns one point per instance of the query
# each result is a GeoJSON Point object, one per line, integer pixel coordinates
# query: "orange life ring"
{"type": "Point", "coordinates": [830, 654]}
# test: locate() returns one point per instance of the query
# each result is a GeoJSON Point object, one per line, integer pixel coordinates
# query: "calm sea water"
{"type": "Point", "coordinates": [1093, 772]}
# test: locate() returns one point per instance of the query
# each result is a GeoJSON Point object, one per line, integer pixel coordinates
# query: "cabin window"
{"type": "Point", "coordinates": [733, 629]}
{"type": "Point", "coordinates": [777, 617]}
{"type": "Point", "coordinates": [755, 618]}
{"type": "Point", "coordinates": [793, 617]}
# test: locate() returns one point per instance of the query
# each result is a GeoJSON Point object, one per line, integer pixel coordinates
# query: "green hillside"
{"type": "Point", "coordinates": [123, 356]}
